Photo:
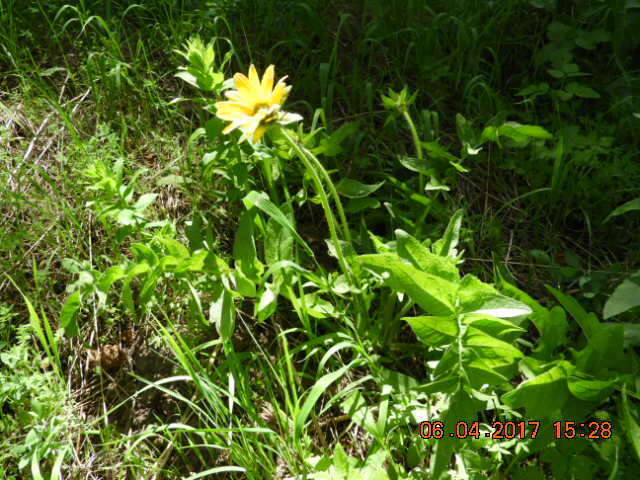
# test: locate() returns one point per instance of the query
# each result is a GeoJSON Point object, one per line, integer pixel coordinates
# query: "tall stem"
{"type": "Point", "coordinates": [315, 169]}
{"type": "Point", "coordinates": [416, 143]}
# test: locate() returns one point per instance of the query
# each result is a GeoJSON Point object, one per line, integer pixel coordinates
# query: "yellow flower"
{"type": "Point", "coordinates": [255, 105]}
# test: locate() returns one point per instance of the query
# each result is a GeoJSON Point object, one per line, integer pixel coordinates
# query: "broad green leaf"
{"type": "Point", "coordinates": [143, 253]}
{"type": "Point", "coordinates": [399, 382]}
{"type": "Point", "coordinates": [541, 396]}
{"type": "Point", "coordinates": [434, 331]}
{"type": "Point", "coordinates": [591, 390]}
{"type": "Point", "coordinates": [261, 200]}
{"type": "Point", "coordinates": [631, 427]}
{"type": "Point", "coordinates": [624, 208]}
{"type": "Point", "coordinates": [476, 296]}
{"type": "Point", "coordinates": [267, 303]}
{"type": "Point", "coordinates": [625, 297]}
{"type": "Point", "coordinates": [494, 326]}
{"type": "Point", "coordinates": [174, 247]}
{"type": "Point", "coordinates": [421, 257]}
{"type": "Point", "coordinates": [278, 243]}
{"type": "Point", "coordinates": [69, 314]}
{"type": "Point", "coordinates": [488, 347]}
{"type": "Point", "coordinates": [354, 189]}
{"type": "Point", "coordinates": [244, 248]}
{"type": "Point", "coordinates": [432, 293]}
{"type": "Point", "coordinates": [360, 412]}
{"type": "Point", "coordinates": [222, 313]}
{"type": "Point", "coordinates": [462, 408]}
{"type": "Point", "coordinates": [553, 327]}
{"type": "Point", "coordinates": [110, 276]}
{"type": "Point", "coordinates": [144, 201]}
{"type": "Point", "coordinates": [580, 90]}
{"type": "Point", "coordinates": [605, 350]}
{"type": "Point", "coordinates": [588, 321]}
{"type": "Point", "coordinates": [443, 385]}
{"type": "Point", "coordinates": [416, 164]}
{"type": "Point", "coordinates": [631, 334]}
{"type": "Point", "coordinates": [127, 293]}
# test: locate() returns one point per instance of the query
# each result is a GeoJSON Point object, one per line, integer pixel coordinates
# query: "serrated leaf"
{"type": "Point", "coordinates": [432, 293]}
{"type": "Point", "coordinates": [422, 258]}
{"type": "Point", "coordinates": [541, 396]}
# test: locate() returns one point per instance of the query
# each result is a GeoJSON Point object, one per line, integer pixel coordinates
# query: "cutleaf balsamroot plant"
{"type": "Point", "coordinates": [255, 106]}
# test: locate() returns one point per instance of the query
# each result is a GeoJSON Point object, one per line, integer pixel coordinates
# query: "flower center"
{"type": "Point", "coordinates": [260, 106]}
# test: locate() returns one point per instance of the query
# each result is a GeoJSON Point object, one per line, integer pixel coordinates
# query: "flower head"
{"type": "Point", "coordinates": [255, 104]}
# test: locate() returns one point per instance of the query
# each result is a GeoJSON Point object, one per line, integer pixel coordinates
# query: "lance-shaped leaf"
{"type": "Point", "coordinates": [432, 293]}
{"type": "Point", "coordinates": [478, 297]}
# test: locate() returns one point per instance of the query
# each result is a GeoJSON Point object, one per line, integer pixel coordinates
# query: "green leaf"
{"type": "Point", "coordinates": [591, 390]}
{"type": "Point", "coordinates": [630, 206]}
{"type": "Point", "coordinates": [110, 276]}
{"type": "Point", "coordinates": [127, 293]}
{"type": "Point", "coordinates": [588, 321]}
{"type": "Point", "coordinates": [488, 347]}
{"type": "Point", "coordinates": [541, 396]}
{"type": "Point", "coordinates": [174, 247]}
{"type": "Point", "coordinates": [354, 189]}
{"type": "Point", "coordinates": [222, 313]}
{"type": "Point", "coordinates": [421, 257]}
{"type": "Point", "coordinates": [605, 350]}
{"type": "Point", "coordinates": [261, 200]}
{"type": "Point", "coordinates": [496, 327]}
{"type": "Point", "coordinates": [69, 314]}
{"type": "Point", "coordinates": [415, 164]}
{"type": "Point", "coordinates": [267, 303]}
{"type": "Point", "coordinates": [434, 331]}
{"type": "Point", "coordinates": [432, 293]}
{"type": "Point", "coordinates": [476, 296]}
{"type": "Point", "coordinates": [449, 241]}
{"type": "Point", "coordinates": [461, 409]}
{"type": "Point", "coordinates": [144, 201]}
{"type": "Point", "coordinates": [244, 248]}
{"type": "Point", "coordinates": [314, 394]}
{"type": "Point", "coordinates": [625, 297]}
{"type": "Point", "coordinates": [580, 90]}
{"type": "Point", "coordinates": [632, 430]}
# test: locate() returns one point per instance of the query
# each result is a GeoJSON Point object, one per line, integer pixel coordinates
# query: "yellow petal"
{"type": "Point", "coordinates": [232, 110]}
{"type": "Point", "coordinates": [254, 79]}
{"type": "Point", "coordinates": [233, 95]}
{"type": "Point", "coordinates": [267, 80]}
{"type": "Point", "coordinates": [242, 82]}
{"type": "Point", "coordinates": [259, 133]}
{"type": "Point", "coordinates": [280, 92]}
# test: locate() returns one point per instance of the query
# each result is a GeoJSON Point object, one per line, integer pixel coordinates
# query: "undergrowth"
{"type": "Point", "coordinates": [418, 264]}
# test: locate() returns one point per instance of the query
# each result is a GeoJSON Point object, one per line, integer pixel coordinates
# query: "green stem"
{"type": "Point", "coordinates": [416, 143]}
{"type": "Point", "coordinates": [313, 167]}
